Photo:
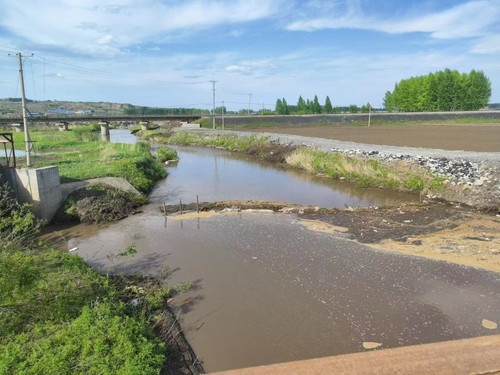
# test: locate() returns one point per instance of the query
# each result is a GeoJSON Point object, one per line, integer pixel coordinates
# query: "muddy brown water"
{"type": "Point", "coordinates": [266, 289]}
{"type": "Point", "coordinates": [222, 175]}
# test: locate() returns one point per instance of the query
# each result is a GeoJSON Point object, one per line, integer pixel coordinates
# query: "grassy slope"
{"type": "Point", "coordinates": [79, 156]}
{"type": "Point", "coordinates": [58, 316]}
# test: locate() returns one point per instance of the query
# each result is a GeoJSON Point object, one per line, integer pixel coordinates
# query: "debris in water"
{"type": "Point", "coordinates": [489, 324]}
{"type": "Point", "coordinates": [371, 344]}
{"type": "Point", "coordinates": [254, 258]}
{"type": "Point", "coordinates": [73, 249]}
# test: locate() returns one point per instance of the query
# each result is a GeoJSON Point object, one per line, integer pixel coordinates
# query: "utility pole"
{"type": "Point", "coordinates": [25, 120]}
{"type": "Point", "coordinates": [213, 90]}
{"type": "Point", "coordinates": [223, 115]}
{"type": "Point", "coordinates": [249, 103]}
{"type": "Point", "coordinates": [369, 113]}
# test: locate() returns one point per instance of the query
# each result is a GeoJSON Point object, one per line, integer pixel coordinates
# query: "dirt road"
{"type": "Point", "coordinates": [467, 137]}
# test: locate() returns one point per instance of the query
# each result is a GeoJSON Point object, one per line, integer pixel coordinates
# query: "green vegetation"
{"type": "Point", "coordinates": [446, 90]}
{"type": "Point", "coordinates": [164, 154]}
{"type": "Point", "coordinates": [58, 316]}
{"type": "Point", "coordinates": [227, 142]}
{"type": "Point", "coordinates": [365, 172]}
{"type": "Point", "coordinates": [79, 159]}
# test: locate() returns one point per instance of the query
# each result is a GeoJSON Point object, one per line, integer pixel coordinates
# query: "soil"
{"type": "Point", "coordinates": [439, 231]}
{"type": "Point", "coordinates": [98, 203]}
{"type": "Point", "coordinates": [467, 137]}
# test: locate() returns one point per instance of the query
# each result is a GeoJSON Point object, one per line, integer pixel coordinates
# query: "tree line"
{"type": "Point", "coordinates": [446, 90]}
{"type": "Point", "coordinates": [314, 107]}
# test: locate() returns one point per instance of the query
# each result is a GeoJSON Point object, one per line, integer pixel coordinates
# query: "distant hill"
{"type": "Point", "coordinates": [11, 107]}
{"type": "Point", "coordinates": [494, 106]}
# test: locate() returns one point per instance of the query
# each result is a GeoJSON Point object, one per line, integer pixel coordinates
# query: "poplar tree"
{"type": "Point", "coordinates": [316, 107]}
{"type": "Point", "coordinates": [328, 106]}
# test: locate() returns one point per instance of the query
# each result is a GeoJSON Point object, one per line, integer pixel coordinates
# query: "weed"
{"type": "Point", "coordinates": [164, 154]}
{"type": "Point", "coordinates": [130, 250]}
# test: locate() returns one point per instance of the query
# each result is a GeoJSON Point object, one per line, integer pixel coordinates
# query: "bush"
{"type": "Point", "coordinates": [18, 223]}
{"type": "Point", "coordinates": [86, 134]}
{"type": "Point", "coordinates": [164, 154]}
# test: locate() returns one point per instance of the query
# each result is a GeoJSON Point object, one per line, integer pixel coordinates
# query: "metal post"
{"type": "Point", "coordinates": [213, 114]}
{"type": "Point", "coordinates": [197, 205]}
{"type": "Point", "coordinates": [25, 120]}
{"type": "Point", "coordinates": [249, 103]}
{"type": "Point", "coordinates": [223, 115]}
{"type": "Point", "coordinates": [369, 113]}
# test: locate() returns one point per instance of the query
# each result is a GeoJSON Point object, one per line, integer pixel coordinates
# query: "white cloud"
{"type": "Point", "coordinates": [250, 66]}
{"type": "Point", "coordinates": [488, 44]}
{"type": "Point", "coordinates": [472, 19]}
{"type": "Point", "coordinates": [65, 23]}
{"type": "Point", "coordinates": [238, 68]}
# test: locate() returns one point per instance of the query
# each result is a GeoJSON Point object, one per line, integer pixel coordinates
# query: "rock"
{"type": "Point", "coordinates": [371, 344]}
{"type": "Point", "coordinates": [489, 324]}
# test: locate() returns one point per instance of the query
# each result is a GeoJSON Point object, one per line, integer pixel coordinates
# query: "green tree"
{"type": "Point", "coordinates": [328, 106]}
{"type": "Point", "coordinates": [446, 90]}
{"type": "Point", "coordinates": [388, 101]}
{"type": "Point", "coordinates": [365, 108]}
{"type": "Point", "coordinates": [353, 108]}
{"type": "Point", "coordinates": [301, 105]}
{"type": "Point", "coordinates": [316, 107]}
{"type": "Point", "coordinates": [285, 109]}
{"type": "Point", "coordinates": [278, 108]}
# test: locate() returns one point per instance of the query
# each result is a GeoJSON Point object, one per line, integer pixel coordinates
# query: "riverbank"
{"type": "Point", "coordinates": [58, 316]}
{"type": "Point", "coordinates": [455, 176]}
{"type": "Point", "coordinates": [80, 155]}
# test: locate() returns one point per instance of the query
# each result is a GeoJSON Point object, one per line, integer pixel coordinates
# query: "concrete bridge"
{"type": "Point", "coordinates": [97, 118]}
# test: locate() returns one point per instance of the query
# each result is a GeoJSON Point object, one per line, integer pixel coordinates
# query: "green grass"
{"type": "Point", "coordinates": [76, 137]}
{"type": "Point", "coordinates": [365, 172]}
{"type": "Point", "coordinates": [227, 142]}
{"type": "Point", "coordinates": [80, 159]}
{"type": "Point", "coordinates": [58, 316]}
{"type": "Point", "coordinates": [164, 154]}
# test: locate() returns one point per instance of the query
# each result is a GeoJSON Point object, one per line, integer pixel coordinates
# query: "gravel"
{"type": "Point", "coordinates": [458, 167]}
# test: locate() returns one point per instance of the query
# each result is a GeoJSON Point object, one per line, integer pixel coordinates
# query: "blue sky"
{"type": "Point", "coordinates": [164, 53]}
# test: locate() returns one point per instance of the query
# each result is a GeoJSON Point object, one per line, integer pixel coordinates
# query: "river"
{"type": "Point", "coordinates": [266, 289]}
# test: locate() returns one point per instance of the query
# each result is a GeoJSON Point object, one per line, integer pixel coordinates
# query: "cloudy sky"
{"type": "Point", "coordinates": [164, 53]}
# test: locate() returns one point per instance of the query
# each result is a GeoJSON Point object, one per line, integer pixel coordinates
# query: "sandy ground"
{"type": "Point", "coordinates": [473, 243]}
{"type": "Point", "coordinates": [467, 137]}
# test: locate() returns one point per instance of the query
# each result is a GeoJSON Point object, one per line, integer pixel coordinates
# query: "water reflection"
{"type": "Point", "coordinates": [221, 175]}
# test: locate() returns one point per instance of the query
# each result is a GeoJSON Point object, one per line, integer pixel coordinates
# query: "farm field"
{"type": "Point", "coordinates": [483, 137]}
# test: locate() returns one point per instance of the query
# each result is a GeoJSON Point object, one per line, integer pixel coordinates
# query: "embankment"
{"type": "Point", "coordinates": [471, 178]}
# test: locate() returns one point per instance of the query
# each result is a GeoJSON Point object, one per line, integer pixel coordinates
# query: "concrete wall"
{"type": "Point", "coordinates": [347, 117]}
{"type": "Point", "coordinates": [40, 187]}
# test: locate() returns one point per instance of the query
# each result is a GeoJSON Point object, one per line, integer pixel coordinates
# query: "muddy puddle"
{"type": "Point", "coordinates": [222, 175]}
{"type": "Point", "coordinates": [267, 289]}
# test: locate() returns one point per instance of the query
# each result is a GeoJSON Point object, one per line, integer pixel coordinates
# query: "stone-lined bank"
{"type": "Point", "coordinates": [471, 178]}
